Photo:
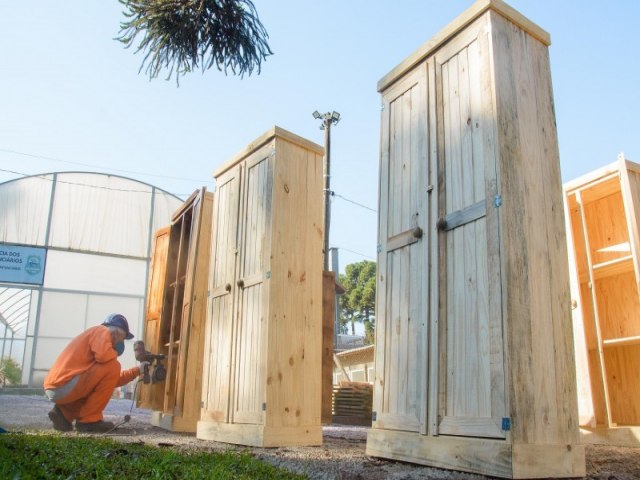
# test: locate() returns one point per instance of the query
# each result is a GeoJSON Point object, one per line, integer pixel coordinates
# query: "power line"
{"type": "Point", "coordinates": [98, 166]}
{"type": "Point", "coordinates": [356, 253]}
{"type": "Point", "coordinates": [43, 177]}
{"type": "Point", "coordinates": [334, 194]}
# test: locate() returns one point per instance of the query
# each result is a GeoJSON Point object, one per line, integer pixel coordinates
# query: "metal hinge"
{"type": "Point", "coordinates": [374, 416]}
{"type": "Point", "coordinates": [379, 248]}
{"type": "Point", "coordinates": [429, 188]}
{"type": "Point", "coordinates": [264, 406]}
{"type": "Point", "coordinates": [201, 403]}
{"type": "Point", "coordinates": [506, 424]}
{"type": "Point", "coordinates": [267, 275]}
{"type": "Point", "coordinates": [497, 201]}
{"type": "Point", "coordinates": [382, 107]}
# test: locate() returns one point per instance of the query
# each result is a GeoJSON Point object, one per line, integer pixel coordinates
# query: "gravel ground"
{"type": "Point", "coordinates": [342, 456]}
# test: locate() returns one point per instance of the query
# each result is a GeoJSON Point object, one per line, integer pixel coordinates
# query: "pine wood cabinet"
{"type": "Point", "coordinates": [181, 282]}
{"type": "Point", "coordinates": [474, 357]}
{"type": "Point", "coordinates": [263, 365]}
{"type": "Point", "coordinates": [602, 212]}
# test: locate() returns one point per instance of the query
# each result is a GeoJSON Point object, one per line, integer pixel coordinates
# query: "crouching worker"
{"type": "Point", "coordinates": [83, 378]}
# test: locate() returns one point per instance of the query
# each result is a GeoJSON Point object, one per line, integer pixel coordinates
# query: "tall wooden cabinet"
{"type": "Point", "coordinates": [263, 366]}
{"type": "Point", "coordinates": [603, 212]}
{"type": "Point", "coordinates": [474, 353]}
{"type": "Point", "coordinates": [179, 334]}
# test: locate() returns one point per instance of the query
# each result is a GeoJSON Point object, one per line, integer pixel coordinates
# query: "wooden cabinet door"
{"type": "Point", "coordinates": [253, 267]}
{"type": "Point", "coordinates": [401, 342]}
{"type": "Point", "coordinates": [151, 396]}
{"type": "Point", "coordinates": [218, 338]}
{"type": "Point", "coordinates": [471, 391]}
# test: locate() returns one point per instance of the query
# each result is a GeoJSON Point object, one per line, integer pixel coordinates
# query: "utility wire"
{"type": "Point", "coordinates": [334, 194]}
{"type": "Point", "coordinates": [43, 177]}
{"type": "Point", "coordinates": [98, 166]}
{"type": "Point", "coordinates": [356, 253]}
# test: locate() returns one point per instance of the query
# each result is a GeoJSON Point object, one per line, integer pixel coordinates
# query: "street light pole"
{"type": "Point", "coordinates": [328, 119]}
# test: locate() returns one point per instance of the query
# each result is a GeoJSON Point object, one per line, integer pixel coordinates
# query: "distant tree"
{"type": "Point", "coordinates": [10, 373]}
{"type": "Point", "coordinates": [357, 304]}
{"type": "Point", "coordinates": [182, 35]}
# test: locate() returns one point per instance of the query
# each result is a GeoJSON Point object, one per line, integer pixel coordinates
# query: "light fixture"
{"type": "Point", "coordinates": [317, 115]}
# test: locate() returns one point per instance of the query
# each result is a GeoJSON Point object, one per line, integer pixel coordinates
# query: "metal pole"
{"type": "Point", "coordinates": [4, 340]}
{"type": "Point", "coordinates": [11, 344]}
{"type": "Point", "coordinates": [336, 310]}
{"type": "Point", "coordinates": [327, 191]}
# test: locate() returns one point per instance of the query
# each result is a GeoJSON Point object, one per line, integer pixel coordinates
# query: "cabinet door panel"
{"type": "Point", "coordinates": [400, 333]}
{"type": "Point", "coordinates": [218, 341]}
{"type": "Point", "coordinates": [471, 343]}
{"type": "Point", "coordinates": [250, 330]}
{"type": "Point", "coordinates": [151, 395]}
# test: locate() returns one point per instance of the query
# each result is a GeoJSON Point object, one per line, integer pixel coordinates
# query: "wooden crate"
{"type": "Point", "coordinates": [180, 332]}
{"type": "Point", "coordinates": [602, 211]}
{"type": "Point", "coordinates": [263, 359]}
{"type": "Point", "coordinates": [474, 354]}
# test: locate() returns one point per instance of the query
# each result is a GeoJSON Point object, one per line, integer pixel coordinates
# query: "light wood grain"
{"type": "Point", "coordinates": [498, 351]}
{"type": "Point", "coordinates": [265, 319]}
{"type": "Point", "coordinates": [150, 395]}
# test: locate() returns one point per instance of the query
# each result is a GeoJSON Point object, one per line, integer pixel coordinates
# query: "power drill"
{"type": "Point", "coordinates": [153, 373]}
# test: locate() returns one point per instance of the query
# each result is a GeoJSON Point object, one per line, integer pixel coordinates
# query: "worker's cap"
{"type": "Point", "coordinates": [118, 320]}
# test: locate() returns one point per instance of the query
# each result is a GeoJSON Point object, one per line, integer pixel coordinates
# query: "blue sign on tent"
{"type": "Point", "coordinates": [22, 264]}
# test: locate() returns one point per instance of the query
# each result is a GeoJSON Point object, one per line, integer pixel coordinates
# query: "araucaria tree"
{"type": "Point", "coordinates": [182, 35]}
{"type": "Point", "coordinates": [357, 304]}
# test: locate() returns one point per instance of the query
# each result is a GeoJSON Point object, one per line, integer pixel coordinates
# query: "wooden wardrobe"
{"type": "Point", "coordinates": [474, 353]}
{"type": "Point", "coordinates": [603, 215]}
{"type": "Point", "coordinates": [179, 333]}
{"type": "Point", "coordinates": [263, 365]}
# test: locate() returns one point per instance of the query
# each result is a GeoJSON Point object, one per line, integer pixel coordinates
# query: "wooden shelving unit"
{"type": "Point", "coordinates": [178, 332]}
{"type": "Point", "coordinates": [602, 210]}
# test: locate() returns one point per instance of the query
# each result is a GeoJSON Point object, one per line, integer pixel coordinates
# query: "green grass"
{"type": "Point", "coordinates": [53, 456]}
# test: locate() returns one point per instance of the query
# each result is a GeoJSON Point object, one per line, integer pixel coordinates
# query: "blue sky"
{"type": "Point", "coordinates": [69, 92]}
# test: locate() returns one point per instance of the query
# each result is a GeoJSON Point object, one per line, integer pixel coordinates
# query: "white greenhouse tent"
{"type": "Point", "coordinates": [74, 247]}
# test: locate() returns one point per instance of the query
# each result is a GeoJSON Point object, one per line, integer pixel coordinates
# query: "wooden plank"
{"type": "Point", "coordinates": [560, 461]}
{"type": "Point", "coordinates": [475, 455]}
{"type": "Point", "coordinates": [486, 456]}
{"type": "Point", "coordinates": [630, 183]}
{"type": "Point", "coordinates": [381, 331]}
{"type": "Point", "coordinates": [259, 435]}
{"type": "Point", "coordinates": [404, 239]}
{"type": "Point", "coordinates": [586, 414]}
{"type": "Point", "coordinates": [603, 394]}
{"type": "Point", "coordinates": [466, 215]}
{"type": "Point", "coordinates": [431, 278]}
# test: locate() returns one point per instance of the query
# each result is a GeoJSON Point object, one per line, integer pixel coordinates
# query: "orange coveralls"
{"type": "Point", "coordinates": [91, 356]}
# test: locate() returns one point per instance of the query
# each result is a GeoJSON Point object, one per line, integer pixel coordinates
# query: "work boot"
{"type": "Point", "coordinates": [94, 427]}
{"type": "Point", "coordinates": [60, 423]}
